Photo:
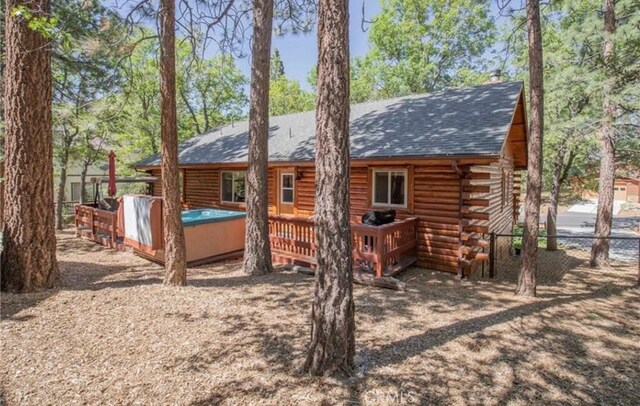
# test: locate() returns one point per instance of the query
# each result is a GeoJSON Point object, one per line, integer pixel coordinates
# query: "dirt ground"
{"type": "Point", "coordinates": [112, 334]}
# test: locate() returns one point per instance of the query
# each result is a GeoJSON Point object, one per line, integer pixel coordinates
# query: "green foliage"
{"type": "Point", "coordinates": [421, 46]}
{"type": "Point", "coordinates": [45, 25]}
{"type": "Point", "coordinates": [286, 95]}
{"type": "Point", "coordinates": [277, 67]}
{"type": "Point", "coordinates": [574, 74]}
{"type": "Point", "coordinates": [85, 55]}
{"type": "Point", "coordinates": [518, 231]}
{"type": "Point", "coordinates": [210, 93]}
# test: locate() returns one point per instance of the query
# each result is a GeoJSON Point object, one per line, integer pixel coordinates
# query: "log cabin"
{"type": "Point", "coordinates": [449, 161]}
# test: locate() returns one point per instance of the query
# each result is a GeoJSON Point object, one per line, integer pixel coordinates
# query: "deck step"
{"type": "Point", "coordinates": [403, 264]}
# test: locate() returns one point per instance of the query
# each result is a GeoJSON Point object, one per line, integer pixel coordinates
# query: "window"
{"type": "Point", "coordinates": [232, 187]}
{"type": "Point", "coordinates": [287, 188]}
{"type": "Point", "coordinates": [75, 192]}
{"type": "Point", "coordinates": [390, 188]}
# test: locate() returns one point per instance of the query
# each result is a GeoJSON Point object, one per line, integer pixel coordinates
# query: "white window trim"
{"type": "Point", "coordinates": [293, 188]}
{"type": "Point", "coordinates": [389, 171]}
{"type": "Point", "coordinates": [233, 180]}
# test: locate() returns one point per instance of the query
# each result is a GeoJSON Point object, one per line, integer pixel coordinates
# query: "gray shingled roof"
{"type": "Point", "coordinates": [471, 121]}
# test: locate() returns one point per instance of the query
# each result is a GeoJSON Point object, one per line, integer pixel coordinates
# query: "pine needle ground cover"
{"type": "Point", "coordinates": [112, 334]}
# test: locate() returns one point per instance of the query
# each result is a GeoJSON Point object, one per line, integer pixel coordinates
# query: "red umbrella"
{"type": "Point", "coordinates": [112, 174]}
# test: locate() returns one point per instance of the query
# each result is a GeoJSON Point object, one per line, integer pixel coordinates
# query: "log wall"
{"type": "Point", "coordinates": [445, 204]}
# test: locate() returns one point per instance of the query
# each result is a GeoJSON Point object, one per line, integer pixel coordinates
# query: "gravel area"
{"type": "Point", "coordinates": [112, 334]}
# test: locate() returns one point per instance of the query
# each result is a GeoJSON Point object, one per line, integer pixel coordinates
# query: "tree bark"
{"type": "Point", "coordinates": [527, 278]}
{"type": "Point", "coordinates": [257, 250]}
{"type": "Point", "coordinates": [604, 216]}
{"type": "Point", "coordinates": [29, 256]}
{"type": "Point", "coordinates": [332, 345]}
{"type": "Point", "coordinates": [83, 182]}
{"type": "Point", "coordinates": [175, 259]}
{"type": "Point", "coordinates": [560, 173]}
{"type": "Point", "coordinates": [61, 197]}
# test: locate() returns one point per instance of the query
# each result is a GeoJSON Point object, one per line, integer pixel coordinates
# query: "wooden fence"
{"type": "Point", "coordinates": [385, 250]}
{"type": "Point", "coordinates": [95, 224]}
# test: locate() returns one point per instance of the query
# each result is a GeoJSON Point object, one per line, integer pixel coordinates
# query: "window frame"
{"type": "Point", "coordinates": [233, 181]}
{"type": "Point", "coordinates": [389, 171]}
{"type": "Point", "coordinates": [292, 188]}
{"type": "Point", "coordinates": [87, 198]}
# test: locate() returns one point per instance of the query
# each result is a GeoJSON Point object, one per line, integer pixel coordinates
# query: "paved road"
{"type": "Point", "coordinates": [587, 222]}
{"type": "Point", "coordinates": [584, 223]}
{"type": "Point", "coordinates": [578, 225]}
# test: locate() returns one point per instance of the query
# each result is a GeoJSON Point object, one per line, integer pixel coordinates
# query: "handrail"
{"type": "Point", "coordinates": [293, 240]}
{"type": "Point", "coordinates": [97, 221]}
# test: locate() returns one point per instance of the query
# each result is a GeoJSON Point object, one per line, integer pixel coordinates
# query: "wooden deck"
{"type": "Point", "coordinates": [383, 250]}
{"type": "Point", "coordinates": [98, 225]}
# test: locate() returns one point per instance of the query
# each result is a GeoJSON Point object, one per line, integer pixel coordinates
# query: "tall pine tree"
{"type": "Point", "coordinates": [257, 250]}
{"type": "Point", "coordinates": [175, 257]}
{"type": "Point", "coordinates": [527, 278]}
{"type": "Point", "coordinates": [29, 241]}
{"type": "Point", "coordinates": [604, 216]}
{"type": "Point", "coordinates": [332, 346]}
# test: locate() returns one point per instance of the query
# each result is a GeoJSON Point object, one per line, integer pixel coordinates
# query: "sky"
{"type": "Point", "coordinates": [299, 52]}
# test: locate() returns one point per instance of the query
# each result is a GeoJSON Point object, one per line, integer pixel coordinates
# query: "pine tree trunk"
{"type": "Point", "coordinates": [29, 257]}
{"type": "Point", "coordinates": [61, 196]}
{"type": "Point", "coordinates": [527, 278]}
{"type": "Point", "coordinates": [2, 192]}
{"type": "Point", "coordinates": [552, 213]}
{"type": "Point", "coordinates": [554, 196]}
{"type": "Point", "coordinates": [175, 259]}
{"type": "Point", "coordinates": [604, 216]}
{"type": "Point", "coordinates": [257, 250]}
{"type": "Point", "coordinates": [83, 182]}
{"type": "Point", "coordinates": [332, 346]}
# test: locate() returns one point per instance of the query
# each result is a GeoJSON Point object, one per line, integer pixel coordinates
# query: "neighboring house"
{"type": "Point", "coordinates": [447, 158]}
{"type": "Point", "coordinates": [627, 190]}
{"type": "Point", "coordinates": [74, 173]}
{"type": "Point", "coordinates": [624, 190]}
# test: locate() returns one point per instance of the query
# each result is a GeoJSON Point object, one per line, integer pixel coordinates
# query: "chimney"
{"type": "Point", "coordinates": [495, 76]}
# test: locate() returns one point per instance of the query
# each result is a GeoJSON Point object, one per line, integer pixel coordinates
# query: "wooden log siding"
{"type": "Point", "coordinates": [201, 189]}
{"type": "Point", "coordinates": [434, 199]}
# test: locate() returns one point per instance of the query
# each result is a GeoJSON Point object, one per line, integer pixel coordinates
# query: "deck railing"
{"type": "Point", "coordinates": [385, 248]}
{"type": "Point", "coordinates": [293, 240]}
{"type": "Point", "coordinates": [96, 224]}
{"type": "Point", "coordinates": [381, 249]}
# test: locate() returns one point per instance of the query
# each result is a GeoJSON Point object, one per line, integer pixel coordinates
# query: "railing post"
{"type": "Point", "coordinates": [114, 233]}
{"type": "Point", "coordinates": [379, 253]}
{"type": "Point", "coordinates": [75, 219]}
{"type": "Point", "coordinates": [492, 256]}
{"type": "Point", "coordinates": [93, 226]}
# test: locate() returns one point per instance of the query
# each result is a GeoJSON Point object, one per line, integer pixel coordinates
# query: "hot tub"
{"type": "Point", "coordinates": [210, 234]}
{"type": "Point", "coordinates": [213, 233]}
{"type": "Point", "coordinates": [204, 216]}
